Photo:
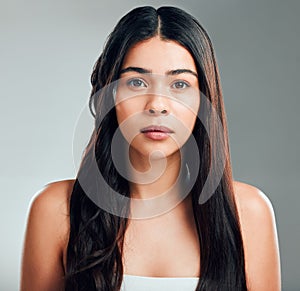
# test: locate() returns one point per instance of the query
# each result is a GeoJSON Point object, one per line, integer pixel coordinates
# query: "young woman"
{"type": "Point", "coordinates": [154, 205]}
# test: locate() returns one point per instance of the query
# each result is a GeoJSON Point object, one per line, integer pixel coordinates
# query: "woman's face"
{"type": "Point", "coordinates": [157, 97]}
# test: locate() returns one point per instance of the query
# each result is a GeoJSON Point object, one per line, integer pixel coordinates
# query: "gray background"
{"type": "Point", "coordinates": [48, 49]}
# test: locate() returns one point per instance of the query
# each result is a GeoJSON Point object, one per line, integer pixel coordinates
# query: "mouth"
{"type": "Point", "coordinates": [156, 128]}
{"type": "Point", "coordinates": [156, 133]}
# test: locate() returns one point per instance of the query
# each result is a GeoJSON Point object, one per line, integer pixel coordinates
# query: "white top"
{"type": "Point", "coordinates": [138, 283]}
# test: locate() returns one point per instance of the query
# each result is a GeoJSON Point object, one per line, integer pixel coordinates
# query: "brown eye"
{"type": "Point", "coordinates": [136, 83]}
{"type": "Point", "coordinates": [180, 85]}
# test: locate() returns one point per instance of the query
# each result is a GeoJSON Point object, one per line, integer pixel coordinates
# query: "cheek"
{"type": "Point", "coordinates": [126, 109]}
{"type": "Point", "coordinates": [128, 117]}
{"type": "Point", "coordinates": [187, 114]}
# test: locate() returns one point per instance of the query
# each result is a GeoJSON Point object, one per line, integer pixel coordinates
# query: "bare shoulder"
{"type": "Point", "coordinates": [252, 201]}
{"type": "Point", "coordinates": [258, 225]}
{"type": "Point", "coordinates": [46, 237]}
{"type": "Point", "coordinates": [54, 197]}
{"type": "Point", "coordinates": [50, 206]}
{"type": "Point", "coordinates": [58, 190]}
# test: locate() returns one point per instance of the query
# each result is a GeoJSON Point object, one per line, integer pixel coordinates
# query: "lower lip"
{"type": "Point", "coordinates": [156, 135]}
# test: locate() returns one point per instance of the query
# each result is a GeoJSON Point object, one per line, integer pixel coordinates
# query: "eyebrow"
{"type": "Point", "coordinates": [145, 71]}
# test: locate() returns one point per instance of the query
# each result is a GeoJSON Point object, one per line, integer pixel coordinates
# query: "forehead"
{"type": "Point", "coordinates": [159, 56]}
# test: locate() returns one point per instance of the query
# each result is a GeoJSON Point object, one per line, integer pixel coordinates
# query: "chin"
{"type": "Point", "coordinates": [156, 152]}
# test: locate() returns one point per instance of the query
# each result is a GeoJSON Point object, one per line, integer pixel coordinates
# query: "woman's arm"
{"type": "Point", "coordinates": [45, 240]}
{"type": "Point", "coordinates": [260, 238]}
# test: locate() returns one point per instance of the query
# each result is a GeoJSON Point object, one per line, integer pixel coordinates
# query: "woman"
{"type": "Point", "coordinates": [154, 205]}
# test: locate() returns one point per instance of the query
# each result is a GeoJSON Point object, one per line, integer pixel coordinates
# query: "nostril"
{"type": "Point", "coordinates": [153, 111]}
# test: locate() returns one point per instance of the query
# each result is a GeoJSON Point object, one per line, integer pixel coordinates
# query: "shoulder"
{"type": "Point", "coordinates": [46, 236]}
{"type": "Point", "coordinates": [252, 201]}
{"type": "Point", "coordinates": [260, 240]}
{"type": "Point", "coordinates": [50, 207]}
{"type": "Point", "coordinates": [54, 193]}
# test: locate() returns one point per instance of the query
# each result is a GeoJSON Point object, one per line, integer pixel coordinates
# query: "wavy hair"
{"type": "Point", "coordinates": [94, 252]}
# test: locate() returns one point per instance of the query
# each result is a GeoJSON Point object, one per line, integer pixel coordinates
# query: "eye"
{"type": "Point", "coordinates": [180, 85]}
{"type": "Point", "coordinates": [136, 83]}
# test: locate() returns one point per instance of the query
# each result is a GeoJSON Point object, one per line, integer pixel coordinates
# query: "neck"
{"type": "Point", "coordinates": [154, 176]}
{"type": "Point", "coordinates": [156, 184]}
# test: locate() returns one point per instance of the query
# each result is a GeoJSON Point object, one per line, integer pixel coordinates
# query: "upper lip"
{"type": "Point", "coordinates": [158, 128]}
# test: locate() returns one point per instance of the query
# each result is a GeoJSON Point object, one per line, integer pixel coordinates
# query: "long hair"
{"type": "Point", "coordinates": [94, 252]}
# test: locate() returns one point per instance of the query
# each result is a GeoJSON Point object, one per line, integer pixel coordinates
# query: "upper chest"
{"type": "Point", "coordinates": [161, 249]}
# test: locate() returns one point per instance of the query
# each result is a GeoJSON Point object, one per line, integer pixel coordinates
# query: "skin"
{"type": "Point", "coordinates": [148, 248]}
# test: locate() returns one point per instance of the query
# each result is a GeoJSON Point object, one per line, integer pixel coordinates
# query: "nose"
{"type": "Point", "coordinates": [157, 105]}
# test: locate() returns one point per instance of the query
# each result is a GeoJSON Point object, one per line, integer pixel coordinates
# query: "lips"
{"type": "Point", "coordinates": [156, 128]}
{"type": "Point", "coordinates": [156, 132]}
